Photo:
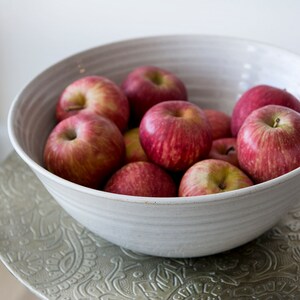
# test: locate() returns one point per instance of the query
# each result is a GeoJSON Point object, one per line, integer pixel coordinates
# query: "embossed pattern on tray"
{"type": "Point", "coordinates": [59, 259]}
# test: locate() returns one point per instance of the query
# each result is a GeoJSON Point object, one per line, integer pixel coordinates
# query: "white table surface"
{"type": "Point", "coordinates": [35, 34]}
{"type": "Point", "coordinates": [11, 289]}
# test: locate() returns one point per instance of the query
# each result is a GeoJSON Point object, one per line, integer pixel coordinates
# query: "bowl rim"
{"type": "Point", "coordinates": [211, 198]}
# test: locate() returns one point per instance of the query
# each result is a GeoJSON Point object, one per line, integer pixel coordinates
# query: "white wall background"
{"type": "Point", "coordinates": [36, 33]}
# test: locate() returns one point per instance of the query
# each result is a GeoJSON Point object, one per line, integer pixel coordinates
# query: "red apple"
{"type": "Point", "coordinates": [146, 86]}
{"type": "Point", "coordinates": [257, 97]}
{"type": "Point", "coordinates": [224, 149]}
{"type": "Point", "coordinates": [85, 149]}
{"type": "Point", "coordinates": [219, 122]}
{"type": "Point", "coordinates": [268, 143]}
{"type": "Point", "coordinates": [94, 94]}
{"type": "Point", "coordinates": [175, 134]}
{"type": "Point", "coordinates": [212, 176]}
{"type": "Point", "coordinates": [134, 149]}
{"type": "Point", "coordinates": [141, 179]}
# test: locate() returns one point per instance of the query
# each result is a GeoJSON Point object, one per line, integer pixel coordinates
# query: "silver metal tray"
{"type": "Point", "coordinates": [57, 258]}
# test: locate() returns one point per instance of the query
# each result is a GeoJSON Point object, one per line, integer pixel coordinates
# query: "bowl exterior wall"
{"type": "Point", "coordinates": [179, 230]}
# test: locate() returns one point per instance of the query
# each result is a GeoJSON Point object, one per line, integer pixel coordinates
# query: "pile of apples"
{"type": "Point", "coordinates": [144, 138]}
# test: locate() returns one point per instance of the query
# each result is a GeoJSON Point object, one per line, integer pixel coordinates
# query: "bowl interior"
{"type": "Point", "coordinates": [216, 72]}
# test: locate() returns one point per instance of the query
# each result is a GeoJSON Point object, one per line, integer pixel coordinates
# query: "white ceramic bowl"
{"type": "Point", "coordinates": [216, 70]}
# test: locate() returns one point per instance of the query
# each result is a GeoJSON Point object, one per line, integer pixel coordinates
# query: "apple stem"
{"type": "Point", "coordinates": [74, 107]}
{"type": "Point", "coordinates": [276, 122]}
{"type": "Point", "coordinates": [222, 186]}
{"type": "Point", "coordinates": [229, 150]}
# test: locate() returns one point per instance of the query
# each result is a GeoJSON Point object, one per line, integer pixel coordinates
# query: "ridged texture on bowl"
{"type": "Point", "coordinates": [216, 71]}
